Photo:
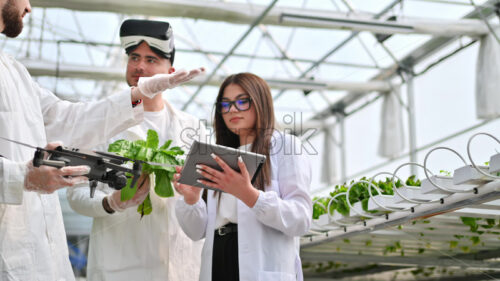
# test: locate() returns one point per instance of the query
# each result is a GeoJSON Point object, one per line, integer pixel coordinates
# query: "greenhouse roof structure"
{"type": "Point", "coordinates": [366, 85]}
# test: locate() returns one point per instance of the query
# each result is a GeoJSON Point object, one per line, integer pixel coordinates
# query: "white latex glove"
{"type": "Point", "coordinates": [45, 179]}
{"type": "Point", "coordinates": [115, 202]}
{"type": "Point", "coordinates": [151, 86]}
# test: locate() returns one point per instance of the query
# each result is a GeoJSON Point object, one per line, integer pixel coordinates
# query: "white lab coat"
{"type": "Point", "coordinates": [267, 232]}
{"type": "Point", "coordinates": [125, 247]}
{"type": "Point", "coordinates": [32, 237]}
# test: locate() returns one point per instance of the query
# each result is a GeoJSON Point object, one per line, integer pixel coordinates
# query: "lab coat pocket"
{"type": "Point", "coordinates": [276, 276]}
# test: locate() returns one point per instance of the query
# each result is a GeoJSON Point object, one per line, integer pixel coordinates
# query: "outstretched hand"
{"type": "Point", "coordinates": [151, 86]}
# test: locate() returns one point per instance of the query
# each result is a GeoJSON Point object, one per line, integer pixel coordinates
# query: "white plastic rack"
{"type": "Point", "coordinates": [469, 190]}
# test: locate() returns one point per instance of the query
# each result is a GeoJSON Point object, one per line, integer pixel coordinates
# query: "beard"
{"type": "Point", "coordinates": [12, 20]}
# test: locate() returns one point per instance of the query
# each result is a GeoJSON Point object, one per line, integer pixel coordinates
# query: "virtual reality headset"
{"type": "Point", "coordinates": [157, 34]}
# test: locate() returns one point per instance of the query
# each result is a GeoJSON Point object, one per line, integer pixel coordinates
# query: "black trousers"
{"type": "Point", "coordinates": [225, 265]}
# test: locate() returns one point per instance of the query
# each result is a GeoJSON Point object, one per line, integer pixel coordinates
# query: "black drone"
{"type": "Point", "coordinates": [104, 167]}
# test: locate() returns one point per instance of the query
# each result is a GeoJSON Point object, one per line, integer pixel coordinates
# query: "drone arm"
{"type": "Point", "coordinates": [38, 160]}
{"type": "Point", "coordinates": [118, 168]}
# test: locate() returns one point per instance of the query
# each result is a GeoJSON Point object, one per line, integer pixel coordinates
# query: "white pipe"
{"type": "Point", "coordinates": [39, 68]}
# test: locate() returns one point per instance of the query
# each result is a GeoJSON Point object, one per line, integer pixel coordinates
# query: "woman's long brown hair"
{"type": "Point", "coordinates": [262, 100]}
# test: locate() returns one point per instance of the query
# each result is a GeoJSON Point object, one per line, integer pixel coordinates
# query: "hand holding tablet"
{"type": "Point", "coordinates": [201, 155]}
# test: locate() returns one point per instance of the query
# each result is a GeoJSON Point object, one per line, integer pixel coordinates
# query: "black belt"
{"type": "Point", "coordinates": [226, 229]}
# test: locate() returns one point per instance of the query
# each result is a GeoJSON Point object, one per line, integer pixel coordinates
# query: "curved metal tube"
{"type": "Point", "coordinates": [328, 211]}
{"type": "Point", "coordinates": [472, 161]}
{"type": "Point", "coordinates": [380, 193]}
{"type": "Point", "coordinates": [404, 184]}
{"type": "Point", "coordinates": [450, 190]}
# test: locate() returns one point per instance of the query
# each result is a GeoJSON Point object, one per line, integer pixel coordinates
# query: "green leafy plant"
{"type": "Point", "coordinates": [490, 223]}
{"type": "Point", "coordinates": [412, 182]}
{"type": "Point", "coordinates": [445, 173]}
{"type": "Point", "coordinates": [148, 150]}
{"type": "Point", "coordinates": [320, 207]}
{"type": "Point", "coordinates": [475, 240]}
{"type": "Point", "coordinates": [471, 222]}
{"type": "Point", "coordinates": [358, 193]}
{"type": "Point", "coordinates": [392, 248]}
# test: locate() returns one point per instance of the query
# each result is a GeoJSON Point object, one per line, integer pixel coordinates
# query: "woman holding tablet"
{"type": "Point", "coordinates": [251, 231]}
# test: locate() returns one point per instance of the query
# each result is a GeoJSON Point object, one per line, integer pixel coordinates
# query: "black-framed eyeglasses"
{"type": "Point", "coordinates": [242, 104]}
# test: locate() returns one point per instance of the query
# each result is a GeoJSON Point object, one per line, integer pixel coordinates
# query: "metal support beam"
{"type": "Point", "coordinates": [457, 276]}
{"type": "Point", "coordinates": [398, 260]}
{"type": "Point", "coordinates": [407, 26]}
{"type": "Point", "coordinates": [239, 13]}
{"type": "Point", "coordinates": [195, 45]}
{"type": "Point", "coordinates": [197, 50]}
{"type": "Point", "coordinates": [343, 165]}
{"type": "Point", "coordinates": [40, 68]}
{"type": "Point", "coordinates": [328, 168]}
{"type": "Point", "coordinates": [420, 54]}
{"type": "Point", "coordinates": [470, 277]}
{"type": "Point", "coordinates": [223, 60]}
{"type": "Point", "coordinates": [242, 13]}
{"type": "Point", "coordinates": [412, 131]}
{"type": "Point", "coordinates": [351, 272]}
{"type": "Point", "coordinates": [285, 55]}
{"type": "Point", "coordinates": [338, 47]}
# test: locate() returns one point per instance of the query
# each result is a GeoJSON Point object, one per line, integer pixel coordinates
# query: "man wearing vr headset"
{"type": "Point", "coordinates": [124, 246]}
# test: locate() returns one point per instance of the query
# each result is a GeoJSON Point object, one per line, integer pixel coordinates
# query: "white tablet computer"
{"type": "Point", "coordinates": [200, 154]}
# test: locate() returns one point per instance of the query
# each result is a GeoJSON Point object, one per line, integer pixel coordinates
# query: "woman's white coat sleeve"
{"type": "Point", "coordinates": [192, 218]}
{"type": "Point", "coordinates": [291, 211]}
